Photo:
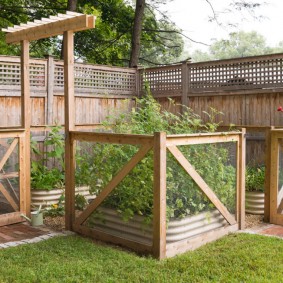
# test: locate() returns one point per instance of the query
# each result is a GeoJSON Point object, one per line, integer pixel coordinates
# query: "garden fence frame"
{"type": "Point", "coordinates": [20, 204]}
{"type": "Point", "coordinates": [275, 193]}
{"type": "Point", "coordinates": [160, 143]}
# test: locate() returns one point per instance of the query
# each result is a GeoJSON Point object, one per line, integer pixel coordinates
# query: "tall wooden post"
{"type": "Point", "coordinates": [241, 169]}
{"type": "Point", "coordinates": [25, 123]}
{"type": "Point", "coordinates": [159, 199]}
{"type": "Point", "coordinates": [267, 174]}
{"type": "Point", "coordinates": [69, 100]}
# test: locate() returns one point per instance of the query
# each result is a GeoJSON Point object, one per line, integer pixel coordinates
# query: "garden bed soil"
{"type": "Point", "coordinates": [58, 223]}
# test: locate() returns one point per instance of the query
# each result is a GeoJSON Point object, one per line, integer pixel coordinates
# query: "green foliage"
{"type": "Point", "coordinates": [255, 177]}
{"type": "Point", "coordinates": [80, 202]}
{"type": "Point", "coordinates": [108, 43]}
{"type": "Point", "coordinates": [57, 209]}
{"type": "Point", "coordinates": [239, 44]}
{"type": "Point", "coordinates": [134, 195]}
{"type": "Point", "coordinates": [235, 258]}
{"type": "Point", "coordinates": [43, 177]}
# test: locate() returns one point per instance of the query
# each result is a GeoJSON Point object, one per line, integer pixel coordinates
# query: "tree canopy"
{"type": "Point", "coordinates": [109, 42]}
{"type": "Point", "coordinates": [239, 44]}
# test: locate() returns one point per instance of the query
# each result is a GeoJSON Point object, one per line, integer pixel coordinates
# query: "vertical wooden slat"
{"type": "Point", "coordinates": [159, 201]}
{"type": "Point", "coordinates": [241, 169]}
{"type": "Point", "coordinates": [185, 86]}
{"type": "Point", "coordinates": [25, 123]}
{"type": "Point", "coordinates": [69, 101]}
{"type": "Point", "coordinates": [267, 174]}
{"type": "Point", "coordinates": [50, 90]}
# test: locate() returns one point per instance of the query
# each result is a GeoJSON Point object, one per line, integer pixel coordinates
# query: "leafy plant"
{"type": "Point", "coordinates": [255, 176]}
{"type": "Point", "coordinates": [134, 195]}
{"type": "Point", "coordinates": [43, 177]}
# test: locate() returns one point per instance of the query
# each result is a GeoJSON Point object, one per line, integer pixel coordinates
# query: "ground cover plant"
{"type": "Point", "coordinates": [98, 163]}
{"type": "Point", "coordinates": [234, 258]}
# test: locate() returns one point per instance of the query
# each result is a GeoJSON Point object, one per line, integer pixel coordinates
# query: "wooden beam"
{"type": "Point", "coordinates": [267, 174]}
{"type": "Point", "coordinates": [113, 138]}
{"type": "Point", "coordinates": [25, 123]}
{"type": "Point", "coordinates": [69, 101]}
{"type": "Point", "coordinates": [202, 138]}
{"type": "Point", "coordinates": [8, 197]}
{"type": "Point", "coordinates": [8, 153]}
{"type": "Point", "coordinates": [113, 183]}
{"type": "Point", "coordinates": [274, 173]}
{"type": "Point", "coordinates": [241, 171]}
{"type": "Point", "coordinates": [11, 218]}
{"type": "Point", "coordinates": [201, 184]}
{"type": "Point", "coordinates": [159, 197]}
{"type": "Point", "coordinates": [36, 31]}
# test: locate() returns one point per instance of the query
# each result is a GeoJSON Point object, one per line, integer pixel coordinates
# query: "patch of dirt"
{"type": "Point", "coordinates": [253, 220]}
{"type": "Point", "coordinates": [56, 223]}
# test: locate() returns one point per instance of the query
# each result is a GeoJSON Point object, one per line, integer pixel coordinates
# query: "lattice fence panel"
{"type": "Point", "coordinates": [10, 75]}
{"type": "Point", "coordinates": [163, 80]}
{"type": "Point", "coordinates": [100, 80]}
{"type": "Point", "coordinates": [246, 73]}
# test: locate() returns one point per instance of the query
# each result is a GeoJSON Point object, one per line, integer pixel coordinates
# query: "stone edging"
{"type": "Point", "coordinates": [35, 239]}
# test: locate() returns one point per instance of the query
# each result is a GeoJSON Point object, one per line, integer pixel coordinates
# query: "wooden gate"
{"type": "Point", "coordinates": [276, 177]}
{"type": "Point", "coordinates": [13, 196]}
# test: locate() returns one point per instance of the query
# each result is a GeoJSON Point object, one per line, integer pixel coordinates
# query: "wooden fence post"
{"type": "Point", "coordinates": [185, 85]}
{"type": "Point", "coordinates": [159, 199]}
{"type": "Point", "coordinates": [267, 174]}
{"type": "Point", "coordinates": [25, 123]}
{"type": "Point", "coordinates": [241, 179]}
{"type": "Point", "coordinates": [50, 90]}
{"type": "Point", "coordinates": [69, 100]}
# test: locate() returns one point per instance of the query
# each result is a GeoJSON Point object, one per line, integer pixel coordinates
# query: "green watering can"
{"type": "Point", "coordinates": [36, 217]}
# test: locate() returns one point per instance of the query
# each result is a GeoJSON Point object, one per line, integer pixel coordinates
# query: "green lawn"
{"type": "Point", "coordinates": [235, 258]}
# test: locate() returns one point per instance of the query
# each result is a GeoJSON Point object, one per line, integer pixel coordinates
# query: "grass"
{"type": "Point", "coordinates": [235, 258]}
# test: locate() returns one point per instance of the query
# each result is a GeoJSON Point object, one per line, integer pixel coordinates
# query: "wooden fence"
{"type": "Point", "coordinates": [160, 144]}
{"type": "Point", "coordinates": [98, 90]}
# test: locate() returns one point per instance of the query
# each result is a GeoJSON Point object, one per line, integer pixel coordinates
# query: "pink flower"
{"type": "Point", "coordinates": [280, 109]}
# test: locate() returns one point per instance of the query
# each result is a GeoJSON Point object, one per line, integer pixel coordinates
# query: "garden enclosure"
{"type": "Point", "coordinates": [173, 192]}
{"type": "Point", "coordinates": [242, 84]}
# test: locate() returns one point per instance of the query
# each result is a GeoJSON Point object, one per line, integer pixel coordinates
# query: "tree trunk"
{"type": "Point", "coordinates": [136, 35]}
{"type": "Point", "coordinates": [71, 6]}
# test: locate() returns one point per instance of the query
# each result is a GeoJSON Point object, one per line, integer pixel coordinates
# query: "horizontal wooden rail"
{"type": "Point", "coordinates": [202, 138]}
{"type": "Point", "coordinates": [112, 138]}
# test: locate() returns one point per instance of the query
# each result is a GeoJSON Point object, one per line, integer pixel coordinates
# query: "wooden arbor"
{"type": "Point", "coordinates": [65, 24]}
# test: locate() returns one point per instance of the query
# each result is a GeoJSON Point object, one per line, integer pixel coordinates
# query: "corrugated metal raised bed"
{"type": "Point", "coordinates": [109, 221]}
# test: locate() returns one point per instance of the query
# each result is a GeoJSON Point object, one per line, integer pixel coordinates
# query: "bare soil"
{"type": "Point", "coordinates": [58, 223]}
